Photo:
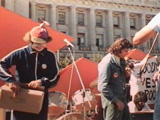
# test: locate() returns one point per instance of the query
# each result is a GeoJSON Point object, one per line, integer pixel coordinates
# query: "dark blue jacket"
{"type": "Point", "coordinates": [30, 66]}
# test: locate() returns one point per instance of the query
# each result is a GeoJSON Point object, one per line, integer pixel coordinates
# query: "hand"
{"type": "Point", "coordinates": [120, 105]}
{"type": "Point", "coordinates": [35, 84]}
{"type": "Point", "coordinates": [127, 72]}
{"type": "Point", "coordinates": [15, 88]}
{"type": "Point", "coordinates": [156, 76]}
{"type": "Point", "coordinates": [145, 59]}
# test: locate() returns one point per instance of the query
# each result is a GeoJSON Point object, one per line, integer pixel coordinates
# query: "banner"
{"type": "Point", "coordinates": [144, 82]}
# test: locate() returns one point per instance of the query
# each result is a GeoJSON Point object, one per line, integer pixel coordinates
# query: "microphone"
{"type": "Point", "coordinates": [68, 43]}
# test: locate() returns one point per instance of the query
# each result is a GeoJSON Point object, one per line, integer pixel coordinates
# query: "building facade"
{"type": "Point", "coordinates": [94, 24]}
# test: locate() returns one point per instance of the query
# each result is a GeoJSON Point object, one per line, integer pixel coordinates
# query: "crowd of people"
{"type": "Point", "coordinates": [37, 66]}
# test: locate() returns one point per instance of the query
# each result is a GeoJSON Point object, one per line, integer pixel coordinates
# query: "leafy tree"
{"type": "Point", "coordinates": [96, 57]}
{"type": "Point", "coordinates": [64, 62]}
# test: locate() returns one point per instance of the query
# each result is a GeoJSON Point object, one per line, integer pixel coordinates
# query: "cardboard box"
{"type": "Point", "coordinates": [2, 114]}
{"type": "Point", "coordinates": [26, 101]}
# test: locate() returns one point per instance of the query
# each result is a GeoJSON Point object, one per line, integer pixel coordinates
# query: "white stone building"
{"type": "Point", "coordinates": [94, 24]}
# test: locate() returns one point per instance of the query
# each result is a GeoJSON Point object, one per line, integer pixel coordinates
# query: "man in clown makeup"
{"type": "Point", "coordinates": [112, 80]}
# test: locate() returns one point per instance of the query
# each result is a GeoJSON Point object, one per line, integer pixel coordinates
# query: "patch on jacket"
{"type": "Point", "coordinates": [44, 66]}
{"type": "Point", "coordinates": [115, 75]}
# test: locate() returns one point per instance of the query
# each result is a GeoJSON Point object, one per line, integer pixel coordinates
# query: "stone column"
{"type": "Point", "coordinates": [109, 28]}
{"type": "Point", "coordinates": [53, 16]}
{"type": "Point", "coordinates": [143, 19]}
{"type": "Point", "coordinates": [9, 4]}
{"type": "Point", "coordinates": [127, 33]}
{"type": "Point", "coordinates": [105, 33]}
{"type": "Point", "coordinates": [48, 13]}
{"type": "Point", "coordinates": [91, 29]}
{"type": "Point", "coordinates": [143, 23]}
{"type": "Point", "coordinates": [73, 23]}
{"type": "Point", "coordinates": [33, 11]}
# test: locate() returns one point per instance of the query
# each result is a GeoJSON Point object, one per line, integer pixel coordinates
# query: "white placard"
{"type": "Point", "coordinates": [145, 82]}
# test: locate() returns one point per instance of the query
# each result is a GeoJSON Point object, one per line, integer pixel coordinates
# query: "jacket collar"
{"type": "Point", "coordinates": [116, 60]}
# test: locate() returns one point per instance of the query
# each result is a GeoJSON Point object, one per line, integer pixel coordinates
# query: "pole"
{"type": "Point", "coordinates": [82, 84]}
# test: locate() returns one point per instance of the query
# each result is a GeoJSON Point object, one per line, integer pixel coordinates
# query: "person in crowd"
{"type": "Point", "coordinates": [36, 66]}
{"type": "Point", "coordinates": [139, 103]}
{"type": "Point", "coordinates": [151, 30]}
{"type": "Point", "coordinates": [135, 81]}
{"type": "Point", "coordinates": [111, 81]}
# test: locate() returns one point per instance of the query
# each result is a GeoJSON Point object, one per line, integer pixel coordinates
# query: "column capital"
{"type": "Point", "coordinates": [33, 3]}
{"type": "Point", "coordinates": [73, 7]}
{"type": "Point", "coordinates": [53, 5]}
{"type": "Point", "coordinates": [92, 9]}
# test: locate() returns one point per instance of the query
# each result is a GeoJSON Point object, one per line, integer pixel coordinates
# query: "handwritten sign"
{"type": "Point", "coordinates": [144, 82]}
